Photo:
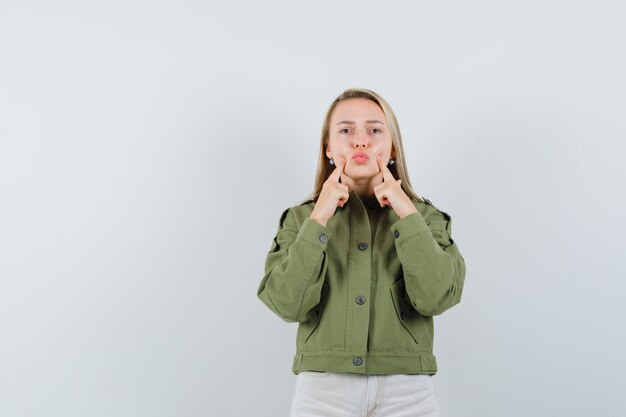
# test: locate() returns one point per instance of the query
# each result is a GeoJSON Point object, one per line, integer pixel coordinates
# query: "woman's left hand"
{"type": "Point", "coordinates": [390, 192]}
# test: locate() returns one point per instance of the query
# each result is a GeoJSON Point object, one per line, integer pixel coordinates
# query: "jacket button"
{"type": "Point", "coordinates": [357, 361]}
{"type": "Point", "coordinates": [396, 233]}
{"type": "Point", "coordinates": [371, 204]}
{"type": "Point", "coordinates": [323, 238]}
{"type": "Point", "coordinates": [362, 245]}
{"type": "Point", "coordinates": [360, 300]}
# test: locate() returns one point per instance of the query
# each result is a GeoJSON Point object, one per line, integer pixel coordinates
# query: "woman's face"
{"type": "Point", "coordinates": [358, 131]}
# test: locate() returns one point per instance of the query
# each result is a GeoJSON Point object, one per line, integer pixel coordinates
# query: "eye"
{"type": "Point", "coordinates": [377, 130]}
{"type": "Point", "coordinates": [342, 130]}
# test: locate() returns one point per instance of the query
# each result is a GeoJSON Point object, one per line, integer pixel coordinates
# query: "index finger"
{"type": "Point", "coordinates": [336, 174]}
{"type": "Point", "coordinates": [387, 175]}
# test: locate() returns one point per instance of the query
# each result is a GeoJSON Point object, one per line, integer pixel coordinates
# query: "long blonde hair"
{"type": "Point", "coordinates": [399, 171]}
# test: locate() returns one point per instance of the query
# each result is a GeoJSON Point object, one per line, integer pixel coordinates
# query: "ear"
{"type": "Point", "coordinates": [329, 154]}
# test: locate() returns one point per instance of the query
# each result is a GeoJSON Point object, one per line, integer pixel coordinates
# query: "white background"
{"type": "Point", "coordinates": [148, 148]}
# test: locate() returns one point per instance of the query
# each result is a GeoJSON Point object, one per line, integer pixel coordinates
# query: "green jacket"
{"type": "Point", "coordinates": [364, 287]}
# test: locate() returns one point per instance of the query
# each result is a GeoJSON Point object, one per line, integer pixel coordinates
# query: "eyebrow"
{"type": "Point", "coordinates": [349, 122]}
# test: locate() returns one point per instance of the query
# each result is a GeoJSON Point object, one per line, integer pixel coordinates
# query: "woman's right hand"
{"type": "Point", "coordinates": [334, 194]}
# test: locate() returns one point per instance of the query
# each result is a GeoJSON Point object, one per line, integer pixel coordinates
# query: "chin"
{"type": "Point", "coordinates": [362, 173]}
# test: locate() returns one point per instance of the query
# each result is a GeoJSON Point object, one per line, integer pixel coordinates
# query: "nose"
{"type": "Point", "coordinates": [360, 140]}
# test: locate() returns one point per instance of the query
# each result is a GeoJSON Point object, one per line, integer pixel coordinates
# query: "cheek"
{"type": "Point", "coordinates": [383, 149]}
{"type": "Point", "coordinates": [339, 148]}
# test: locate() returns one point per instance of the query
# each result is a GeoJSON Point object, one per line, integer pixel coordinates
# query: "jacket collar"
{"type": "Point", "coordinates": [367, 203]}
{"type": "Point", "coordinates": [355, 211]}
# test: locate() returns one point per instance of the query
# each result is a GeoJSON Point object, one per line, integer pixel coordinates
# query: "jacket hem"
{"type": "Point", "coordinates": [368, 363]}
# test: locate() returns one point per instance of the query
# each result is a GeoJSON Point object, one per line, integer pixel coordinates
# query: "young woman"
{"type": "Point", "coordinates": [363, 265]}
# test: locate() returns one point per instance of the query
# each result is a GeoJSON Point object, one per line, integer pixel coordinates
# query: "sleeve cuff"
{"type": "Point", "coordinates": [407, 227]}
{"type": "Point", "coordinates": [314, 233]}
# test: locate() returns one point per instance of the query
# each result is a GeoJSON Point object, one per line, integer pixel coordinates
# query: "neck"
{"type": "Point", "coordinates": [364, 187]}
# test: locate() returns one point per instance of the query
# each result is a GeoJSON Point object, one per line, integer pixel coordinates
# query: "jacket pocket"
{"type": "Point", "coordinates": [308, 327]}
{"type": "Point", "coordinates": [411, 319]}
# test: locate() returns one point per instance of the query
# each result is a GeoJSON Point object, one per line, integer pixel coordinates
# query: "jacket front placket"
{"type": "Point", "coordinates": [358, 282]}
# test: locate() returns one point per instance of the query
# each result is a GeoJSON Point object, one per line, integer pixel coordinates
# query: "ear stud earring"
{"type": "Point", "coordinates": [331, 161]}
{"type": "Point", "coordinates": [392, 161]}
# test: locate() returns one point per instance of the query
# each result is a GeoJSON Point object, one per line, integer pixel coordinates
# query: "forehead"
{"type": "Point", "coordinates": [357, 109]}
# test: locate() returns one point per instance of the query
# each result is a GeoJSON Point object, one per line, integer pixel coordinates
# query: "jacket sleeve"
{"type": "Point", "coordinates": [433, 267]}
{"type": "Point", "coordinates": [295, 267]}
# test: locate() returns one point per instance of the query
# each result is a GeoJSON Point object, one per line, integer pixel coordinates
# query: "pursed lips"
{"type": "Point", "coordinates": [360, 156]}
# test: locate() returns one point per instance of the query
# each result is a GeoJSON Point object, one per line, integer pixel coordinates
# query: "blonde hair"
{"type": "Point", "coordinates": [399, 171]}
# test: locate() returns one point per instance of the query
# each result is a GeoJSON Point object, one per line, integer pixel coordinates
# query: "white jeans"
{"type": "Point", "coordinates": [337, 394]}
